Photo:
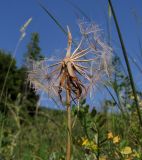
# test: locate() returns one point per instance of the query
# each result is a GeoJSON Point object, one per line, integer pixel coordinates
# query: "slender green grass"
{"type": "Point", "coordinates": [53, 18]}
{"type": "Point", "coordinates": [78, 9]}
{"type": "Point", "coordinates": [127, 63]}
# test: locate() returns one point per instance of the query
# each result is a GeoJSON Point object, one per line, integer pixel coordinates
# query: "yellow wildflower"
{"type": "Point", "coordinates": [110, 135]}
{"type": "Point", "coordinates": [93, 146]}
{"type": "Point", "coordinates": [89, 144]}
{"type": "Point", "coordinates": [136, 154]}
{"type": "Point", "coordinates": [85, 142]}
{"type": "Point", "coordinates": [103, 158]}
{"type": "Point", "coordinates": [126, 150]}
{"type": "Point", "coordinates": [116, 139]}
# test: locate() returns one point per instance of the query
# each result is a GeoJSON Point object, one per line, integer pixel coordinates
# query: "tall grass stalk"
{"type": "Point", "coordinates": [23, 33]}
{"type": "Point", "coordinates": [127, 63]}
{"type": "Point", "coordinates": [68, 104]}
{"type": "Point", "coordinates": [10, 65]}
{"type": "Point", "coordinates": [54, 19]}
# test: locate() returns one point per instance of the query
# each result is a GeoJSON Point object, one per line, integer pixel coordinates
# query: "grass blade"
{"type": "Point", "coordinates": [76, 7]}
{"type": "Point", "coordinates": [127, 63]}
{"type": "Point", "coordinates": [53, 18]}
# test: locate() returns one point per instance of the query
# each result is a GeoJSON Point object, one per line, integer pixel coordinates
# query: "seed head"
{"type": "Point", "coordinates": [78, 71]}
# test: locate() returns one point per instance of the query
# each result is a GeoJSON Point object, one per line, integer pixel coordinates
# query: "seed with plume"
{"type": "Point", "coordinates": [79, 70]}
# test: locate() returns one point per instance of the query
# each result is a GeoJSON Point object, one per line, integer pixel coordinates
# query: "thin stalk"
{"type": "Point", "coordinates": [77, 8]}
{"type": "Point", "coordinates": [115, 101]}
{"type": "Point", "coordinates": [127, 64]}
{"type": "Point", "coordinates": [136, 64]}
{"type": "Point", "coordinates": [68, 100]}
{"type": "Point", "coordinates": [98, 145]}
{"type": "Point", "coordinates": [85, 127]}
{"type": "Point", "coordinates": [98, 142]}
{"type": "Point", "coordinates": [8, 71]}
{"type": "Point", "coordinates": [53, 18]}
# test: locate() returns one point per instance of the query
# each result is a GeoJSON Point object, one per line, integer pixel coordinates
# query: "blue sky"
{"type": "Point", "coordinates": [14, 13]}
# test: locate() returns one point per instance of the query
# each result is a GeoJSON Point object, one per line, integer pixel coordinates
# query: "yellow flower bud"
{"type": "Point", "coordinates": [126, 150]}
{"type": "Point", "coordinates": [110, 135]}
{"type": "Point", "coordinates": [116, 139]}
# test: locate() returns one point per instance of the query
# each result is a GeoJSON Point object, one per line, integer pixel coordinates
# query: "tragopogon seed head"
{"type": "Point", "coordinates": [78, 71]}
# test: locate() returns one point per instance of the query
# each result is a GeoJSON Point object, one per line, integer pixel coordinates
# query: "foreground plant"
{"type": "Point", "coordinates": [73, 76]}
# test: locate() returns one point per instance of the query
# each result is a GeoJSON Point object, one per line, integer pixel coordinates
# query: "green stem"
{"type": "Point", "coordinates": [127, 63]}
{"type": "Point", "coordinates": [98, 145]}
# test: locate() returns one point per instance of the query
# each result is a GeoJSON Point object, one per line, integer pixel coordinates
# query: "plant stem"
{"type": "Point", "coordinates": [127, 64]}
{"type": "Point", "coordinates": [98, 144]}
{"type": "Point", "coordinates": [68, 100]}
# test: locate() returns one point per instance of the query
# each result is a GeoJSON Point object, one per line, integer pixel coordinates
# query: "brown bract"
{"type": "Point", "coordinates": [68, 69]}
